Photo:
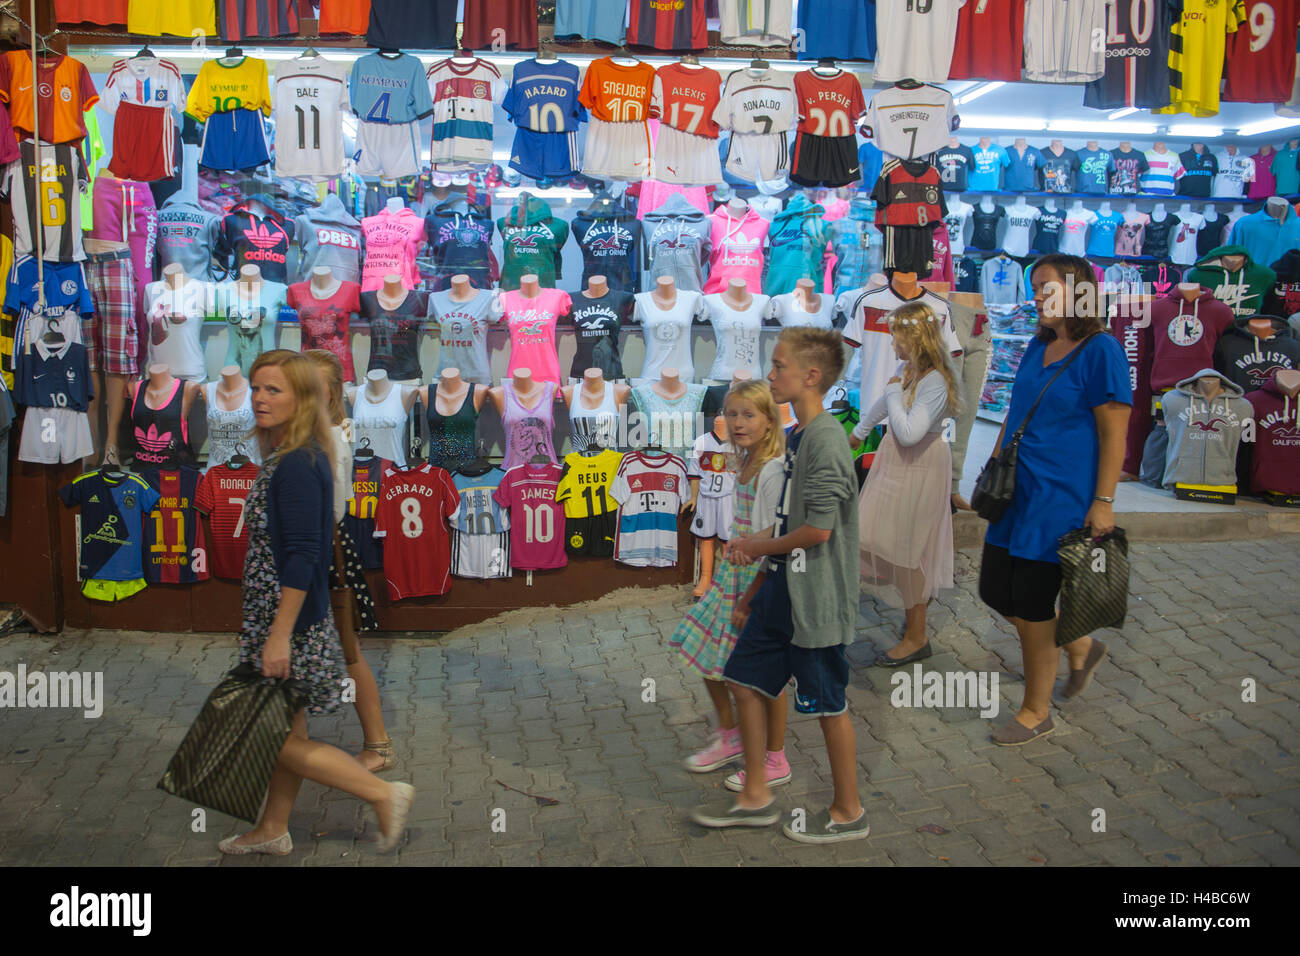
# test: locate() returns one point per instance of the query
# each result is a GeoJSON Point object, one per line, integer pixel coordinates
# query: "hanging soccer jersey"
{"type": "Point", "coordinates": [221, 495]}
{"type": "Point", "coordinates": [66, 92]}
{"type": "Point", "coordinates": [480, 528]}
{"type": "Point", "coordinates": [463, 94]}
{"type": "Point", "coordinates": [245, 19]}
{"type": "Point", "coordinates": [310, 98]}
{"type": "Point", "coordinates": [758, 106]}
{"type": "Point", "coordinates": [1196, 54]}
{"type": "Point", "coordinates": [687, 99]}
{"type": "Point", "coordinates": [181, 18]}
{"type": "Point", "coordinates": [359, 519]}
{"type": "Point", "coordinates": [990, 41]}
{"type": "Point", "coordinates": [44, 194]}
{"type": "Point", "coordinates": [590, 512]}
{"type": "Point", "coordinates": [412, 24]}
{"type": "Point", "coordinates": [650, 490]}
{"type": "Point", "coordinates": [668, 26]}
{"type": "Point", "coordinates": [618, 99]}
{"type": "Point", "coordinates": [389, 89]}
{"type": "Point", "coordinates": [508, 22]}
{"type": "Point", "coordinates": [543, 104]}
{"type": "Point", "coordinates": [536, 519]}
{"type": "Point", "coordinates": [915, 40]}
{"type": "Point", "coordinates": [909, 193]}
{"type": "Point", "coordinates": [1260, 63]}
{"type": "Point", "coordinates": [175, 551]}
{"type": "Point", "coordinates": [1137, 56]}
{"type": "Point", "coordinates": [912, 123]}
{"type": "Point", "coordinates": [222, 87]}
{"type": "Point", "coordinates": [148, 81]}
{"type": "Point", "coordinates": [110, 536]}
{"type": "Point", "coordinates": [415, 505]}
{"type": "Point", "coordinates": [826, 149]}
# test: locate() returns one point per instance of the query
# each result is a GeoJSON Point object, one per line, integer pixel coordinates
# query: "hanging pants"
{"type": "Point", "coordinates": [125, 212]}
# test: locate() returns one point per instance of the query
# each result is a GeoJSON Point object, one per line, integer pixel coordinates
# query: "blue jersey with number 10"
{"type": "Point", "coordinates": [389, 89]}
{"type": "Point", "coordinates": [543, 97]}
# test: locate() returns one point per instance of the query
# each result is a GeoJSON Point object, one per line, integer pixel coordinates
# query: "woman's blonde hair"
{"type": "Point", "coordinates": [759, 394]}
{"type": "Point", "coordinates": [331, 371]}
{"type": "Point", "coordinates": [918, 327]}
{"type": "Point", "coordinates": [309, 426]}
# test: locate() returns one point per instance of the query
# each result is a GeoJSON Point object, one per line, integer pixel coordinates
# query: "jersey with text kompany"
{"type": "Point", "coordinates": [173, 534]}
{"type": "Point", "coordinates": [411, 516]}
{"type": "Point", "coordinates": [222, 495]}
{"type": "Point", "coordinates": [310, 97]}
{"type": "Point", "coordinates": [1137, 56]}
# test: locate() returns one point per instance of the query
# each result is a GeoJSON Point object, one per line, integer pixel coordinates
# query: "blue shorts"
{"type": "Point", "coordinates": [544, 155]}
{"type": "Point", "coordinates": [234, 140]}
{"type": "Point", "coordinates": [764, 658]}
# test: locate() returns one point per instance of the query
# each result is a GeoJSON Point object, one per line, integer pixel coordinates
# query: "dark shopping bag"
{"type": "Point", "coordinates": [225, 761]}
{"type": "Point", "coordinates": [1094, 583]}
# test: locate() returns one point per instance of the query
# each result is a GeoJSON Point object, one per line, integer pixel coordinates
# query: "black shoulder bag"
{"type": "Point", "coordinates": [996, 486]}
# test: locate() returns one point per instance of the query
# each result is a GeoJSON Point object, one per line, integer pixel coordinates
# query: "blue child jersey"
{"type": "Point", "coordinates": [872, 161]}
{"type": "Point", "coordinates": [1095, 167]}
{"type": "Point", "coordinates": [1022, 170]}
{"type": "Point", "coordinates": [385, 89]}
{"type": "Point", "coordinates": [1101, 235]}
{"type": "Point", "coordinates": [112, 512]}
{"type": "Point", "coordinates": [65, 287]}
{"type": "Point", "coordinates": [843, 29]}
{"type": "Point", "coordinates": [56, 378]}
{"type": "Point", "coordinates": [986, 177]}
{"type": "Point", "coordinates": [543, 97]}
{"type": "Point", "coordinates": [1059, 454]}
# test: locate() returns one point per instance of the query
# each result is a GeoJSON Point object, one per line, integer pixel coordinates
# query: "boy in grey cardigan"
{"type": "Point", "coordinates": [799, 615]}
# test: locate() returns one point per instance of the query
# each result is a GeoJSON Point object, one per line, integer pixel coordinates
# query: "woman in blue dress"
{"type": "Point", "coordinates": [1069, 463]}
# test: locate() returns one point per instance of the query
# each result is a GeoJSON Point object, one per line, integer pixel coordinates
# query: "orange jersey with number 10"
{"type": "Point", "coordinates": [616, 93]}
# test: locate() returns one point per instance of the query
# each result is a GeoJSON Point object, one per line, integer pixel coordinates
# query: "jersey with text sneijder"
{"type": "Point", "coordinates": [412, 517]}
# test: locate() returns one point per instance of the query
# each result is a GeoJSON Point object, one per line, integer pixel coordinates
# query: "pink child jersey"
{"type": "Point", "coordinates": [737, 250]}
{"type": "Point", "coordinates": [536, 520]}
{"type": "Point", "coordinates": [392, 242]}
{"type": "Point", "coordinates": [532, 331]}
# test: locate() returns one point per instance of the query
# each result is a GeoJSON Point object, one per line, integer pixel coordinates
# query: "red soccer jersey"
{"type": "Point", "coordinates": [828, 106]}
{"type": "Point", "coordinates": [414, 505]}
{"type": "Point", "coordinates": [106, 13]}
{"type": "Point", "coordinates": [173, 536]}
{"type": "Point", "coordinates": [909, 193]}
{"type": "Point", "coordinates": [685, 98]}
{"type": "Point", "coordinates": [1259, 65]}
{"type": "Point", "coordinates": [221, 496]}
{"type": "Point", "coordinates": [667, 24]}
{"type": "Point", "coordinates": [536, 519]}
{"type": "Point", "coordinates": [990, 42]}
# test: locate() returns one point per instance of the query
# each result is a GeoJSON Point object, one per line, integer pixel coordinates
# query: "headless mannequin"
{"type": "Point", "coordinates": [1125, 147]}
{"type": "Point", "coordinates": [1158, 213]}
{"type": "Point", "coordinates": [1091, 146]}
{"type": "Point", "coordinates": [1190, 291]}
{"type": "Point", "coordinates": [1184, 211]}
{"type": "Point", "coordinates": [461, 290]}
{"type": "Point", "coordinates": [905, 285]}
{"type": "Point", "coordinates": [986, 203]}
{"type": "Point", "coordinates": [592, 391]}
{"type": "Point", "coordinates": [449, 394]}
{"type": "Point", "coordinates": [708, 546]}
{"type": "Point", "coordinates": [597, 286]}
{"type": "Point", "coordinates": [665, 293]}
{"type": "Point", "coordinates": [110, 386]}
{"type": "Point", "coordinates": [527, 390]}
{"type": "Point", "coordinates": [985, 142]}
{"type": "Point", "coordinates": [1209, 387]}
{"type": "Point", "coordinates": [1288, 382]}
{"type": "Point", "coordinates": [806, 298]}
{"type": "Point", "coordinates": [737, 295]}
{"type": "Point", "coordinates": [1049, 204]}
{"type": "Point", "coordinates": [230, 391]}
{"type": "Point", "coordinates": [1057, 148]}
{"type": "Point", "coordinates": [1263, 330]}
{"type": "Point", "coordinates": [737, 207]}
{"type": "Point", "coordinates": [1276, 207]}
{"type": "Point", "coordinates": [158, 389]}
{"type": "Point", "coordinates": [378, 387]}
{"type": "Point", "coordinates": [1019, 204]}
{"type": "Point", "coordinates": [953, 142]}
{"type": "Point", "coordinates": [323, 283]}
{"type": "Point", "coordinates": [1131, 209]}
{"type": "Point", "coordinates": [392, 294]}
{"type": "Point", "coordinates": [670, 386]}
{"type": "Point", "coordinates": [1159, 146]}
{"type": "Point", "coordinates": [394, 204]}
{"type": "Point", "coordinates": [530, 286]}
{"type": "Point", "coordinates": [1104, 208]}
{"type": "Point", "coordinates": [1076, 206]}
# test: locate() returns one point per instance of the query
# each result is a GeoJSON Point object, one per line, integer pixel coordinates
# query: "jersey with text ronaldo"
{"type": "Point", "coordinates": [412, 515]}
{"type": "Point", "coordinates": [222, 495]}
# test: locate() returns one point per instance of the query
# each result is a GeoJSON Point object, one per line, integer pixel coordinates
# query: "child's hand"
{"type": "Point", "coordinates": [740, 614]}
{"type": "Point", "coordinates": [743, 551]}
{"type": "Point", "coordinates": [688, 505]}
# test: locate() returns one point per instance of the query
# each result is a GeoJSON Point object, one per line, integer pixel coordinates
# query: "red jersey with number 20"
{"type": "Point", "coordinates": [828, 105]}
{"type": "Point", "coordinates": [221, 496]}
{"type": "Point", "coordinates": [411, 517]}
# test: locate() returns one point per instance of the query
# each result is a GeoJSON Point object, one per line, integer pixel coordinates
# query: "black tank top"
{"type": "Point", "coordinates": [451, 437]}
{"type": "Point", "coordinates": [161, 437]}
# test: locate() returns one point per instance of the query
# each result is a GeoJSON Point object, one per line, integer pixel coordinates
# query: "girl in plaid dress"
{"type": "Point", "coordinates": [707, 636]}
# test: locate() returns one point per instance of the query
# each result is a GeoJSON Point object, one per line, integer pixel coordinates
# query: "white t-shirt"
{"type": "Point", "coordinates": [1015, 241]}
{"type": "Point", "coordinates": [737, 335]}
{"type": "Point", "coordinates": [910, 124]}
{"type": "Point", "coordinates": [788, 309]}
{"type": "Point", "coordinates": [309, 99]}
{"type": "Point", "coordinates": [958, 215]}
{"type": "Point", "coordinates": [668, 333]}
{"type": "Point", "coordinates": [1233, 175]}
{"type": "Point", "coordinates": [182, 350]}
{"type": "Point", "coordinates": [1065, 40]}
{"type": "Point", "coordinates": [1074, 231]}
{"type": "Point", "coordinates": [915, 40]}
{"type": "Point", "coordinates": [1182, 241]}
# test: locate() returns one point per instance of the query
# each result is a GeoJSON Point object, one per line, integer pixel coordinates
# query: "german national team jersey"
{"type": "Point", "coordinates": [909, 193]}
{"type": "Point", "coordinates": [244, 19]}
{"type": "Point", "coordinates": [109, 545]}
{"type": "Point", "coordinates": [867, 329]}
{"type": "Point", "coordinates": [761, 101]}
{"type": "Point", "coordinates": [990, 42]}
{"type": "Point", "coordinates": [463, 94]}
{"type": "Point", "coordinates": [415, 505]}
{"type": "Point", "coordinates": [828, 105]}
{"type": "Point", "coordinates": [221, 495]}
{"type": "Point", "coordinates": [1196, 54]}
{"type": "Point", "coordinates": [47, 199]}
{"type": "Point", "coordinates": [710, 465]}
{"type": "Point", "coordinates": [543, 97]}
{"type": "Point", "coordinates": [480, 528]}
{"type": "Point", "coordinates": [1137, 56]}
{"type": "Point", "coordinates": [181, 18]}
{"type": "Point", "coordinates": [686, 98]}
{"type": "Point", "coordinates": [175, 552]}
{"type": "Point", "coordinates": [309, 100]}
{"type": "Point", "coordinates": [389, 89]}
{"type": "Point", "coordinates": [536, 518]}
{"type": "Point", "coordinates": [1062, 40]}
{"type": "Point", "coordinates": [679, 25]}
{"type": "Point", "coordinates": [359, 519]}
{"type": "Point", "coordinates": [590, 513]}
{"type": "Point", "coordinates": [1259, 66]}
{"type": "Point", "coordinates": [222, 87]}
{"type": "Point", "coordinates": [915, 40]}
{"type": "Point", "coordinates": [616, 93]}
{"type": "Point", "coordinates": [66, 92]}
{"type": "Point", "coordinates": [149, 81]}
{"type": "Point", "coordinates": [650, 490]}
{"type": "Point", "coordinates": [911, 123]}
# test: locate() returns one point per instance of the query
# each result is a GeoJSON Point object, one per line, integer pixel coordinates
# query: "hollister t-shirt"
{"type": "Point", "coordinates": [596, 326]}
{"type": "Point", "coordinates": [532, 332]}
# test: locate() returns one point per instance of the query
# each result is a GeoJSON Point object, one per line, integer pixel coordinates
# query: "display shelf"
{"type": "Point", "coordinates": [996, 416]}
{"type": "Point", "coordinates": [1112, 197]}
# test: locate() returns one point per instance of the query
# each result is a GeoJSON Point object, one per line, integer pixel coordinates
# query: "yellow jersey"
{"type": "Point", "coordinates": [584, 485]}
{"type": "Point", "coordinates": [181, 18]}
{"type": "Point", "coordinates": [1196, 49]}
{"type": "Point", "coordinates": [220, 88]}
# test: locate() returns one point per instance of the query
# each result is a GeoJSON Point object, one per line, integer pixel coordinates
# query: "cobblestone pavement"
{"type": "Point", "coordinates": [551, 702]}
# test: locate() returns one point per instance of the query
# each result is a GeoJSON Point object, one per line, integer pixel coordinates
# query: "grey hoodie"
{"type": "Point", "coordinates": [328, 235]}
{"type": "Point", "coordinates": [1204, 435]}
{"type": "Point", "coordinates": [675, 241]}
{"type": "Point", "coordinates": [187, 235]}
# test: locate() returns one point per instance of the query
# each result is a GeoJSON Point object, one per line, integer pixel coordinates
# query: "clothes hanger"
{"type": "Point", "coordinates": [827, 63]}
{"type": "Point", "coordinates": [145, 53]}
{"type": "Point", "coordinates": [233, 53]}
{"type": "Point", "coordinates": [53, 336]}
{"type": "Point", "coordinates": [690, 59]}
{"type": "Point", "coordinates": [310, 53]}
{"type": "Point", "coordinates": [477, 466]}
{"type": "Point", "coordinates": [545, 54]}
{"type": "Point", "coordinates": [389, 51]}
{"type": "Point", "coordinates": [415, 459]}
{"type": "Point", "coordinates": [238, 459]}
{"type": "Point", "coordinates": [758, 63]}
{"type": "Point", "coordinates": [909, 84]}
{"type": "Point", "coordinates": [364, 452]}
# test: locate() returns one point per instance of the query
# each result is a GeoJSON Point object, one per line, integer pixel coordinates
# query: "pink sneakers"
{"type": "Point", "coordinates": [778, 772]}
{"type": "Point", "coordinates": [724, 748]}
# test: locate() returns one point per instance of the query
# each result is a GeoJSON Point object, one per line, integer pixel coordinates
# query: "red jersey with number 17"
{"type": "Point", "coordinates": [222, 494]}
{"type": "Point", "coordinates": [828, 105]}
{"type": "Point", "coordinates": [667, 24]}
{"type": "Point", "coordinates": [687, 98]}
{"type": "Point", "coordinates": [411, 517]}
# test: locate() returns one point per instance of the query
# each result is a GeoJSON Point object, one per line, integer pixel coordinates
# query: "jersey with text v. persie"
{"type": "Point", "coordinates": [414, 507]}
{"type": "Point", "coordinates": [173, 535]}
{"type": "Point", "coordinates": [310, 98]}
{"type": "Point", "coordinates": [1137, 56]}
{"type": "Point", "coordinates": [219, 88]}
{"type": "Point", "coordinates": [590, 512]}
{"type": "Point", "coordinates": [616, 93]}
{"type": "Point", "coordinates": [112, 518]}
{"type": "Point", "coordinates": [1259, 64]}
{"type": "Point", "coordinates": [480, 528]}
{"type": "Point", "coordinates": [667, 24]}
{"type": "Point", "coordinates": [687, 99]}
{"type": "Point", "coordinates": [222, 495]}
{"type": "Point", "coordinates": [359, 518]}
{"type": "Point", "coordinates": [543, 97]}
{"type": "Point", "coordinates": [828, 106]}
{"type": "Point", "coordinates": [650, 490]}
{"type": "Point", "coordinates": [757, 102]}
{"type": "Point", "coordinates": [536, 518]}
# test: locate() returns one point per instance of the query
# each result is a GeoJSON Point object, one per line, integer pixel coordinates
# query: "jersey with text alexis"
{"type": "Point", "coordinates": [221, 495]}
{"type": "Point", "coordinates": [650, 490]}
{"type": "Point", "coordinates": [687, 99]}
{"type": "Point", "coordinates": [480, 528]}
{"type": "Point", "coordinates": [411, 516]}
{"type": "Point", "coordinates": [175, 549]}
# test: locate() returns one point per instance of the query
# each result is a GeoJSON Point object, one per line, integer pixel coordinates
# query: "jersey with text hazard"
{"type": "Point", "coordinates": [828, 106]}
{"type": "Point", "coordinates": [463, 94]}
{"type": "Point", "coordinates": [411, 516]}
{"type": "Point", "coordinates": [1137, 56]}
{"type": "Point", "coordinates": [480, 528]}
{"type": "Point", "coordinates": [175, 550]}
{"type": "Point", "coordinates": [650, 490]}
{"type": "Point", "coordinates": [543, 97]}
{"type": "Point", "coordinates": [687, 99]}
{"type": "Point", "coordinates": [536, 518]}
{"type": "Point", "coordinates": [668, 24]}
{"type": "Point", "coordinates": [222, 495]}
{"type": "Point", "coordinates": [309, 100]}
{"type": "Point", "coordinates": [590, 512]}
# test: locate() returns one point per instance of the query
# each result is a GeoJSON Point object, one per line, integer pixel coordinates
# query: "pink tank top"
{"type": "Point", "coordinates": [528, 430]}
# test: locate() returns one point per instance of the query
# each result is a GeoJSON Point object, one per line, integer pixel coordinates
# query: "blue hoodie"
{"type": "Point", "coordinates": [797, 245]}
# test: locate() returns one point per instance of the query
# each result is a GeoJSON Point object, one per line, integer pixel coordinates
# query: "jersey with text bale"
{"type": "Point", "coordinates": [480, 528]}
{"type": "Point", "coordinates": [686, 98]}
{"type": "Point", "coordinates": [463, 95]}
{"type": "Point", "coordinates": [1137, 56]}
{"type": "Point", "coordinates": [915, 39]}
{"type": "Point", "coordinates": [1259, 66]}
{"type": "Point", "coordinates": [47, 198]}
{"type": "Point", "coordinates": [911, 123]}
{"type": "Point", "coordinates": [386, 89]}
{"type": "Point", "coordinates": [590, 513]}
{"type": "Point", "coordinates": [175, 552]}
{"type": "Point", "coordinates": [990, 43]}
{"type": "Point", "coordinates": [221, 495]}
{"type": "Point", "coordinates": [536, 518]}
{"type": "Point", "coordinates": [309, 99]}
{"type": "Point", "coordinates": [543, 97]}
{"type": "Point", "coordinates": [1196, 54]}
{"type": "Point", "coordinates": [650, 490]}
{"type": "Point", "coordinates": [112, 519]}
{"type": "Point", "coordinates": [414, 507]}
{"type": "Point", "coordinates": [668, 24]}
{"type": "Point", "coordinates": [359, 519]}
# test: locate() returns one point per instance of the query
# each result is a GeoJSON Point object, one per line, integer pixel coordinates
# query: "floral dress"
{"type": "Point", "coordinates": [315, 654]}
